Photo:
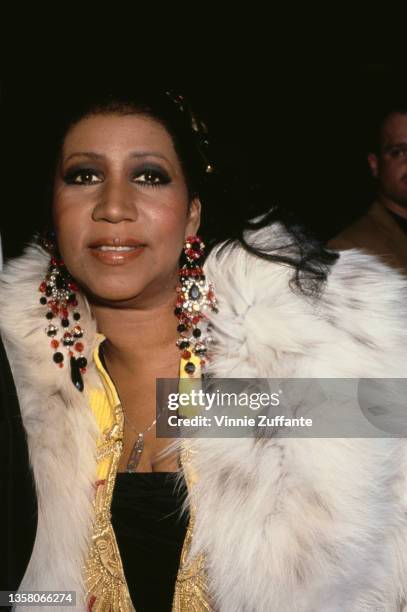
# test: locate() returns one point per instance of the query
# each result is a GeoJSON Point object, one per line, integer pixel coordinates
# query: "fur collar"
{"type": "Point", "coordinates": [61, 430]}
{"type": "Point", "coordinates": [287, 525]}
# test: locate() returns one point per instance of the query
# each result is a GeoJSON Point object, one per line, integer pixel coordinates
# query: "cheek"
{"type": "Point", "coordinates": [70, 222]}
{"type": "Point", "coordinates": [165, 230]}
{"type": "Point", "coordinates": [392, 171]}
{"type": "Point", "coordinates": [165, 222]}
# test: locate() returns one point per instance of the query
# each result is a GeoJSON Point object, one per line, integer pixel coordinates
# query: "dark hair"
{"type": "Point", "coordinates": [375, 125]}
{"type": "Point", "coordinates": [229, 202]}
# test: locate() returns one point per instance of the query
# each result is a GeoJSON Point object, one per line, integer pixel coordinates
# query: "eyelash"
{"type": "Point", "coordinates": [396, 153]}
{"type": "Point", "coordinates": [70, 177]}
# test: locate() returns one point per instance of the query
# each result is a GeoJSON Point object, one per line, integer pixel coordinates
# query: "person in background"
{"type": "Point", "coordinates": [382, 230]}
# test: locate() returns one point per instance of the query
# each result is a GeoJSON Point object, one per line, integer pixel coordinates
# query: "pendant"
{"type": "Point", "coordinates": [76, 375]}
{"type": "Point", "coordinates": [135, 454]}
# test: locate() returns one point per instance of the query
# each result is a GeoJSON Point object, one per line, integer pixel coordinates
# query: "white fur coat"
{"type": "Point", "coordinates": [286, 525]}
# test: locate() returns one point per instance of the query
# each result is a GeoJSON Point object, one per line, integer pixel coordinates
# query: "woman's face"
{"type": "Point", "coordinates": [121, 209]}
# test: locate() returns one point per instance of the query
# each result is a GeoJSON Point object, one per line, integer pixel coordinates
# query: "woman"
{"type": "Point", "coordinates": [276, 524]}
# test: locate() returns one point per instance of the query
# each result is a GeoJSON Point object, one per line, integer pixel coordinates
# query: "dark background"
{"type": "Point", "coordinates": [298, 132]}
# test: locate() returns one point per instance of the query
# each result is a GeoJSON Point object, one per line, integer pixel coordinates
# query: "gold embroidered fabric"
{"type": "Point", "coordinates": [190, 588]}
{"type": "Point", "coordinates": [106, 587]}
{"type": "Point", "coordinates": [105, 582]}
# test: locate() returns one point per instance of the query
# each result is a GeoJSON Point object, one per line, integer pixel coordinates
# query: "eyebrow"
{"type": "Point", "coordinates": [93, 155]}
{"type": "Point", "coordinates": [395, 144]}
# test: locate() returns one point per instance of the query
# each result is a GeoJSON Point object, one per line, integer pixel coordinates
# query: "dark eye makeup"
{"type": "Point", "coordinates": [397, 151]}
{"type": "Point", "coordinates": [149, 176]}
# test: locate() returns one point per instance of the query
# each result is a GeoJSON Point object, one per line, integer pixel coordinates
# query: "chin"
{"type": "Point", "coordinates": [111, 293]}
{"type": "Point", "coordinates": [401, 199]}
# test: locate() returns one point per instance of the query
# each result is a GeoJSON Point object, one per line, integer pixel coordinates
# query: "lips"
{"type": "Point", "coordinates": [115, 242]}
{"type": "Point", "coordinates": [116, 251]}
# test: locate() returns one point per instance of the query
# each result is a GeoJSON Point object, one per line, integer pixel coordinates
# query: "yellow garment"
{"type": "Point", "coordinates": [106, 585]}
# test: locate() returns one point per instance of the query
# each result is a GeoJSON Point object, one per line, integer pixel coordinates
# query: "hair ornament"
{"type": "Point", "coordinates": [198, 127]}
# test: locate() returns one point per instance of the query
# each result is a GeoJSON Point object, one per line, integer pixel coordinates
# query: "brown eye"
{"type": "Point", "coordinates": [82, 177]}
{"type": "Point", "coordinates": [151, 178]}
{"type": "Point", "coordinates": [398, 153]}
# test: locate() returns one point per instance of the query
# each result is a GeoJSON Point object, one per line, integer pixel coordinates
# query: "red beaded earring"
{"type": "Point", "coordinates": [58, 294]}
{"type": "Point", "coordinates": [195, 295]}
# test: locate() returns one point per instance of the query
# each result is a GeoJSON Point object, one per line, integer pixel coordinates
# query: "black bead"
{"type": "Point", "coordinates": [71, 297]}
{"type": "Point", "coordinates": [65, 322]}
{"type": "Point", "coordinates": [196, 246]}
{"type": "Point", "coordinates": [181, 327]}
{"type": "Point", "coordinates": [49, 315]}
{"type": "Point", "coordinates": [177, 311]}
{"type": "Point", "coordinates": [76, 375]}
{"type": "Point", "coordinates": [82, 362]}
{"type": "Point", "coordinates": [58, 357]}
{"type": "Point", "coordinates": [59, 282]}
{"type": "Point", "coordinates": [189, 368]}
{"type": "Point", "coordinates": [43, 300]}
{"type": "Point", "coordinates": [48, 291]}
{"type": "Point", "coordinates": [184, 344]}
{"type": "Point", "coordinates": [76, 316]}
{"type": "Point", "coordinates": [197, 332]}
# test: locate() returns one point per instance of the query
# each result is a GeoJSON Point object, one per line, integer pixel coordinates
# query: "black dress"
{"type": "Point", "coordinates": [150, 531]}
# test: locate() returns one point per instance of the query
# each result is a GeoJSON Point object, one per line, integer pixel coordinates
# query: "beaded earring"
{"type": "Point", "coordinates": [195, 295]}
{"type": "Point", "coordinates": [58, 295]}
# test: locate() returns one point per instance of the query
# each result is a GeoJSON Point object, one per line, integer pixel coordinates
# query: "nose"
{"type": "Point", "coordinates": [115, 202]}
